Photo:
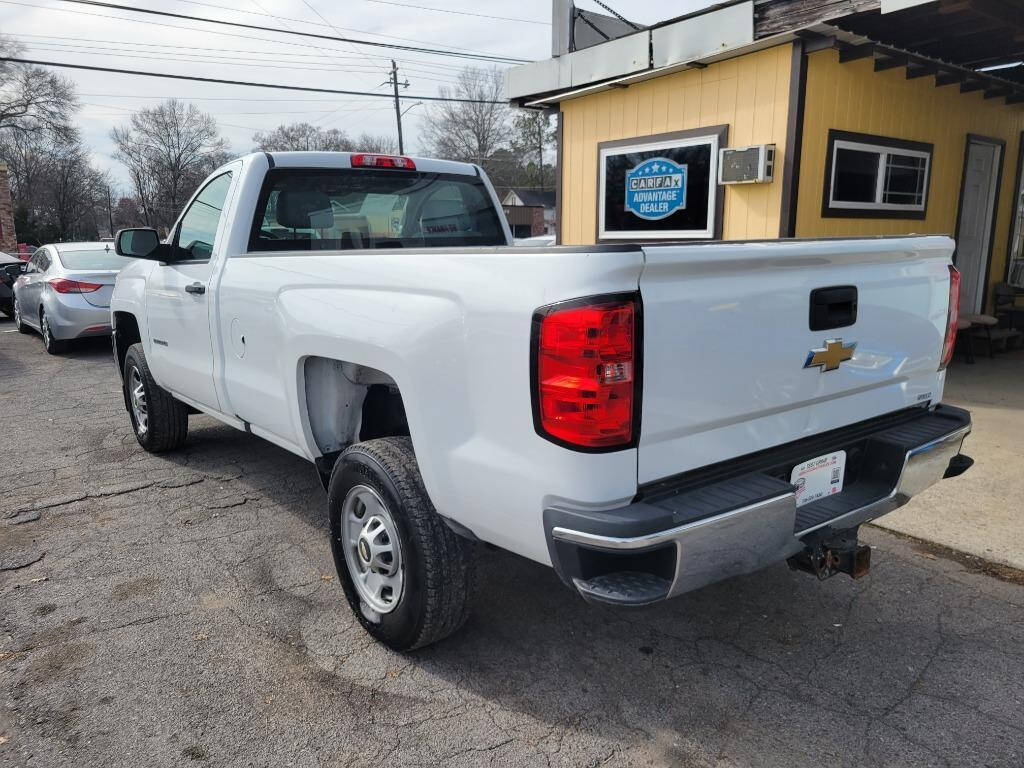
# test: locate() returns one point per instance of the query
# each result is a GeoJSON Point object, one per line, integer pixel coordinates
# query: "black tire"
{"type": "Point", "coordinates": [438, 565]}
{"type": "Point", "coordinates": [53, 346]}
{"type": "Point", "coordinates": [166, 419]}
{"type": "Point", "coordinates": [7, 309]}
{"type": "Point", "coordinates": [18, 322]}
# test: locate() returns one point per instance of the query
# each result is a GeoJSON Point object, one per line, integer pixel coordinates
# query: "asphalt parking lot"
{"type": "Point", "coordinates": [183, 610]}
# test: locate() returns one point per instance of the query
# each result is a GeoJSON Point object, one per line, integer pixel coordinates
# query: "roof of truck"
{"type": "Point", "coordinates": [342, 160]}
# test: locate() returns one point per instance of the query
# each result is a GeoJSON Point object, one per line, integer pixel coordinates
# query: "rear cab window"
{"type": "Point", "coordinates": [303, 209]}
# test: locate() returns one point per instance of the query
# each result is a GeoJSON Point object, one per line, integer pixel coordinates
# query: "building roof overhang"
{"type": "Point", "coordinates": [976, 44]}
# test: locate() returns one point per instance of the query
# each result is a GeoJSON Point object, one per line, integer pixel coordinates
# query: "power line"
{"type": "Point", "coordinates": [226, 61]}
{"type": "Point", "coordinates": [278, 30]}
{"type": "Point", "coordinates": [460, 13]}
{"type": "Point", "coordinates": [304, 21]}
{"type": "Point", "coordinates": [239, 82]}
{"type": "Point", "coordinates": [427, 67]}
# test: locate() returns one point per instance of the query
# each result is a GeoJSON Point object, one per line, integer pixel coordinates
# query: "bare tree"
{"type": "Point", "coordinates": [303, 137]}
{"type": "Point", "coordinates": [58, 194]}
{"type": "Point", "coordinates": [471, 131]}
{"type": "Point", "coordinates": [167, 150]}
{"type": "Point", "coordinates": [381, 145]}
{"type": "Point", "coordinates": [33, 100]}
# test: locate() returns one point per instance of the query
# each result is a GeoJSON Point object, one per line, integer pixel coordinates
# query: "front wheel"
{"type": "Point", "coordinates": [160, 422]}
{"type": "Point", "coordinates": [407, 576]}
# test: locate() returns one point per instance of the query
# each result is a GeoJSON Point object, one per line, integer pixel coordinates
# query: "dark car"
{"type": "Point", "coordinates": [11, 268]}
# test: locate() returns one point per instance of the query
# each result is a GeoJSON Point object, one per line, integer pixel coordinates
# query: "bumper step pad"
{"type": "Point", "coordinates": [624, 588]}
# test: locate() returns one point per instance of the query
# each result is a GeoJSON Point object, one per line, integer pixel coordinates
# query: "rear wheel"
{"type": "Point", "coordinates": [53, 346]}
{"type": "Point", "coordinates": [407, 576]}
{"type": "Point", "coordinates": [19, 321]}
{"type": "Point", "coordinates": [160, 422]}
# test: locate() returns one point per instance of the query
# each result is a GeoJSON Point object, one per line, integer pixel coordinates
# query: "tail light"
{"type": "Point", "coordinates": [952, 317]}
{"type": "Point", "coordinates": [63, 285]}
{"type": "Point", "coordinates": [383, 161]}
{"type": "Point", "coordinates": [586, 372]}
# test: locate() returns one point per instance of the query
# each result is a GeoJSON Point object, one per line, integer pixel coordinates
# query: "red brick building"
{"type": "Point", "coordinates": [8, 237]}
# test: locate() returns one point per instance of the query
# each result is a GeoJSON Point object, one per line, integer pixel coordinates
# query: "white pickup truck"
{"type": "Point", "coordinates": [647, 419]}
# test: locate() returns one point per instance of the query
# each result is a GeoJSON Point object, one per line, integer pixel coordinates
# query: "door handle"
{"type": "Point", "coordinates": [197, 288]}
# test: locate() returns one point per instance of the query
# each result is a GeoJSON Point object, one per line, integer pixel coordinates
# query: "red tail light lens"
{"type": "Point", "coordinates": [383, 161]}
{"type": "Point", "coordinates": [586, 369]}
{"type": "Point", "coordinates": [952, 317]}
{"type": "Point", "coordinates": [62, 285]}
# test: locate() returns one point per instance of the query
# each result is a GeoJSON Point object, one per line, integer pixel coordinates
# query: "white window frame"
{"type": "Point", "coordinates": [883, 152]}
{"type": "Point", "coordinates": [708, 233]}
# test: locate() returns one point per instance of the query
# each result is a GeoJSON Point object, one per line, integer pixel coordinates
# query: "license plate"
{"type": "Point", "coordinates": [818, 478]}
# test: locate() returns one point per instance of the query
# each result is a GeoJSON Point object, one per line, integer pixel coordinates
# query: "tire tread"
{"type": "Point", "coordinates": [168, 418]}
{"type": "Point", "coordinates": [448, 561]}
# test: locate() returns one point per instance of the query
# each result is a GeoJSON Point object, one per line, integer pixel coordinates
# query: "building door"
{"type": "Point", "coordinates": [979, 191]}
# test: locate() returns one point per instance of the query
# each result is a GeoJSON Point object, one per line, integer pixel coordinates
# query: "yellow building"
{"type": "Point", "coordinates": [791, 118]}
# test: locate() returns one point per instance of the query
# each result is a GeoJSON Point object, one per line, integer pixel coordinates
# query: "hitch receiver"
{"type": "Point", "coordinates": [842, 554]}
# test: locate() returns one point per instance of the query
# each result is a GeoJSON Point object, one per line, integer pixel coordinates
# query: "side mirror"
{"type": "Point", "coordinates": [142, 243]}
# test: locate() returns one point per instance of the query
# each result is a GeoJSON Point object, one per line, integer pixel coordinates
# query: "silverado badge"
{"type": "Point", "coordinates": [830, 356]}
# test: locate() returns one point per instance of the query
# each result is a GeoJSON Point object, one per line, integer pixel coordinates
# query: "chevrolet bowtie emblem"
{"type": "Point", "coordinates": [830, 356]}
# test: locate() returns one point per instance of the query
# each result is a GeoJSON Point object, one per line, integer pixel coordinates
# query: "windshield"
{"type": "Point", "coordinates": [104, 259]}
{"type": "Point", "coordinates": [322, 209]}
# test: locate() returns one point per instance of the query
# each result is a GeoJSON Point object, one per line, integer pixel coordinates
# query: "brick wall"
{"type": "Point", "coordinates": [8, 237]}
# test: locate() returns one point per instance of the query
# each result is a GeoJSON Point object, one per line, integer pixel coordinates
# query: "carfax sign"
{"type": "Point", "coordinates": [656, 188]}
{"type": "Point", "coordinates": [660, 187]}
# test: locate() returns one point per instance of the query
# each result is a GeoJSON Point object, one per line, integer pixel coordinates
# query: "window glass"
{"type": "Point", "coordinates": [904, 180]}
{"type": "Point", "coordinates": [198, 228]}
{"type": "Point", "coordinates": [876, 176]}
{"type": "Point", "coordinates": [329, 209]}
{"type": "Point", "coordinates": [1015, 275]}
{"type": "Point", "coordinates": [100, 258]}
{"type": "Point", "coordinates": [855, 176]}
{"type": "Point", "coordinates": [658, 189]}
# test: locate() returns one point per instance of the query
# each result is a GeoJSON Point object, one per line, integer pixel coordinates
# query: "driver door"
{"type": "Point", "coordinates": [178, 297]}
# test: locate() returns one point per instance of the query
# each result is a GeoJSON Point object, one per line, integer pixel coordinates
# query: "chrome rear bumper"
{"type": "Point", "coordinates": [749, 537]}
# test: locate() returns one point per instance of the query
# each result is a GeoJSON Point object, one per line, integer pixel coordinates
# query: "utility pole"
{"type": "Point", "coordinates": [110, 213]}
{"type": "Point", "coordinates": [398, 107]}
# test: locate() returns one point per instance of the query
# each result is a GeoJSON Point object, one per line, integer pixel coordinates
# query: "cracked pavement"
{"type": "Point", "coordinates": [184, 610]}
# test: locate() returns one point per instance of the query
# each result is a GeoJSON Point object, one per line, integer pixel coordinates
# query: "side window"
{"type": "Point", "coordinates": [198, 229]}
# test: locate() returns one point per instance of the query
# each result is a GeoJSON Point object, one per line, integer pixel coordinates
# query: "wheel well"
{"type": "Point", "coordinates": [126, 333]}
{"type": "Point", "coordinates": [347, 403]}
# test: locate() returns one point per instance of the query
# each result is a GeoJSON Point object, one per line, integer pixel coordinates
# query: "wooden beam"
{"type": "Point", "coordinates": [1017, 98]}
{"type": "Point", "coordinates": [890, 63]}
{"type": "Point", "coordinates": [997, 93]}
{"type": "Point", "coordinates": [997, 10]}
{"type": "Point", "coordinates": [854, 52]}
{"type": "Point", "coordinates": [947, 78]}
{"type": "Point", "coordinates": [915, 70]}
{"type": "Point", "coordinates": [972, 85]}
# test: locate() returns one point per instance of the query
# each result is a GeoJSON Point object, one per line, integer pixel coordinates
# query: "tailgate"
{"type": "Point", "coordinates": [727, 337]}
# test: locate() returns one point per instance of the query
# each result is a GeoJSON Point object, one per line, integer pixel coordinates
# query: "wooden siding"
{"type": "Point", "coordinates": [750, 94]}
{"type": "Point", "coordinates": [853, 97]}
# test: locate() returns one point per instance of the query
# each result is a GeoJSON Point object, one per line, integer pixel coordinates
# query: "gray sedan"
{"type": "Point", "coordinates": [65, 292]}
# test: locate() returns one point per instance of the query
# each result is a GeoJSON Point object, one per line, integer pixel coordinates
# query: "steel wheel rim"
{"type": "Point", "coordinates": [373, 550]}
{"type": "Point", "coordinates": [137, 396]}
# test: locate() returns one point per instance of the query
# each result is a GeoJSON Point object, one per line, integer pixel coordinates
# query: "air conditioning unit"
{"type": "Point", "coordinates": [746, 165]}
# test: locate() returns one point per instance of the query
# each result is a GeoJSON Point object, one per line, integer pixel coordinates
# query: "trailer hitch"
{"type": "Point", "coordinates": [840, 554]}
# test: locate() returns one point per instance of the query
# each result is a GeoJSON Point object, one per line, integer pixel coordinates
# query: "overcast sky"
{"type": "Point", "coordinates": [52, 30]}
